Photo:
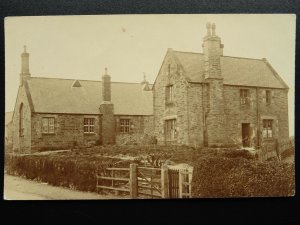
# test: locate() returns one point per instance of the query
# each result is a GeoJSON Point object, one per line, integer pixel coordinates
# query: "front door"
{"type": "Point", "coordinates": [246, 134]}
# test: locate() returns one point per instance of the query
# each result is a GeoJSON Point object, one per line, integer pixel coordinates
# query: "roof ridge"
{"type": "Point", "coordinates": [242, 57]}
{"type": "Point", "coordinates": [221, 56]}
{"type": "Point", "coordinates": [54, 78]}
{"type": "Point", "coordinates": [189, 52]}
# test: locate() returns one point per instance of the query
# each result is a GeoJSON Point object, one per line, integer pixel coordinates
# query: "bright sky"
{"type": "Point", "coordinates": [80, 47]}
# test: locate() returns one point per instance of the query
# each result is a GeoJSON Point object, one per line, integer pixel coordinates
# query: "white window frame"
{"type": "Point", "coordinates": [124, 126]}
{"type": "Point", "coordinates": [48, 125]}
{"type": "Point", "coordinates": [89, 125]}
{"type": "Point", "coordinates": [268, 128]}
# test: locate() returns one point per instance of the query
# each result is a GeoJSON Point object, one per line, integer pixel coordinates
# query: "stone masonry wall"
{"type": "Point", "coordinates": [141, 130]}
{"type": "Point", "coordinates": [68, 128]}
{"type": "Point", "coordinates": [195, 115]}
{"type": "Point", "coordinates": [22, 144]}
{"type": "Point", "coordinates": [178, 109]}
{"type": "Point", "coordinates": [236, 114]}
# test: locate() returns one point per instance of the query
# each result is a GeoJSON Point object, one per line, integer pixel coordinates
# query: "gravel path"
{"type": "Point", "coordinates": [16, 188]}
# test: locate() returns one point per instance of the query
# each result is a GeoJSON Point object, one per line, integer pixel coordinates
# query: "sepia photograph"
{"type": "Point", "coordinates": [156, 106]}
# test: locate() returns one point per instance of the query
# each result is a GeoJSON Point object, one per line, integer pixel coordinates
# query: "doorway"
{"type": "Point", "coordinates": [246, 134]}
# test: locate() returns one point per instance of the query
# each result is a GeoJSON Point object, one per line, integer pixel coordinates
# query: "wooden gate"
{"type": "Point", "coordinates": [149, 182]}
{"type": "Point", "coordinates": [173, 183]}
{"type": "Point", "coordinates": [180, 183]}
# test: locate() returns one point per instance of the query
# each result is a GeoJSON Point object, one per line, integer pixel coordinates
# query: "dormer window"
{"type": "Point", "coordinates": [76, 83]}
{"type": "Point", "coordinates": [169, 94]}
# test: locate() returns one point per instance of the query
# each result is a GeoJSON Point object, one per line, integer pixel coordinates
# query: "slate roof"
{"type": "Point", "coordinates": [52, 95]}
{"type": "Point", "coordinates": [235, 70]}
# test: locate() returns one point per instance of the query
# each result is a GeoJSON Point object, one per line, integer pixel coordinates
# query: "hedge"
{"type": "Point", "coordinates": [223, 176]}
{"type": "Point", "coordinates": [77, 173]}
{"type": "Point", "coordinates": [217, 172]}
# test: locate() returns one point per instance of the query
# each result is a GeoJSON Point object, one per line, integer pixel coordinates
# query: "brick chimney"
{"type": "Point", "coordinates": [212, 49]}
{"type": "Point", "coordinates": [107, 112]}
{"type": "Point", "coordinates": [25, 74]}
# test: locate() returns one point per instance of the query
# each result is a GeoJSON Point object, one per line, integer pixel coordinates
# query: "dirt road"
{"type": "Point", "coordinates": [16, 188]}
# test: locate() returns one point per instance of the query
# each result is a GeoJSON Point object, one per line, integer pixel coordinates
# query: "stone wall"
{"type": "Point", "coordinates": [68, 129]}
{"type": "Point", "coordinates": [178, 109]}
{"type": "Point", "coordinates": [236, 114]}
{"type": "Point", "coordinates": [22, 144]}
{"type": "Point", "coordinates": [215, 113]}
{"type": "Point", "coordinates": [107, 128]}
{"type": "Point", "coordinates": [195, 115]}
{"type": "Point", "coordinates": [141, 130]}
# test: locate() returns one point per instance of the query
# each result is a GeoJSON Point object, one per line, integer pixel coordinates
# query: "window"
{"type": "Point", "coordinates": [124, 126]}
{"type": "Point", "coordinates": [268, 96]}
{"type": "Point", "coordinates": [21, 120]}
{"type": "Point", "coordinates": [88, 126]}
{"type": "Point", "coordinates": [170, 129]}
{"type": "Point", "coordinates": [244, 96]}
{"type": "Point", "coordinates": [48, 125]}
{"type": "Point", "coordinates": [169, 94]}
{"type": "Point", "coordinates": [267, 128]}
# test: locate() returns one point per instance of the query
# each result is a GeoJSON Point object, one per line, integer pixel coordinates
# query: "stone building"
{"type": "Point", "coordinates": [208, 99]}
{"type": "Point", "coordinates": [55, 113]}
{"type": "Point", "coordinates": [197, 99]}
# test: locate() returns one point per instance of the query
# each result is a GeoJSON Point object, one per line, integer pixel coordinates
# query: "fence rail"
{"type": "Point", "coordinates": [147, 181]}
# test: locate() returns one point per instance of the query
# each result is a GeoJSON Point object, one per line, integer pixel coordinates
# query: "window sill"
{"type": "Point", "coordinates": [89, 133]}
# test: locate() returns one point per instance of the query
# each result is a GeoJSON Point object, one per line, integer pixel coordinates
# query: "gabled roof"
{"type": "Point", "coordinates": [235, 70]}
{"type": "Point", "coordinates": [52, 95]}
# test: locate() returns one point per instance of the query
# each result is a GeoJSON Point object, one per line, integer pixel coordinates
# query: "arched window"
{"type": "Point", "coordinates": [21, 120]}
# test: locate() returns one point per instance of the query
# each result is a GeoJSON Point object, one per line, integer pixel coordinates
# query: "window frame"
{"type": "Point", "coordinates": [170, 129]}
{"type": "Point", "coordinates": [244, 96]}
{"type": "Point", "coordinates": [89, 125]}
{"type": "Point", "coordinates": [267, 131]}
{"type": "Point", "coordinates": [124, 126]}
{"type": "Point", "coordinates": [268, 97]}
{"type": "Point", "coordinates": [169, 94]}
{"type": "Point", "coordinates": [50, 125]}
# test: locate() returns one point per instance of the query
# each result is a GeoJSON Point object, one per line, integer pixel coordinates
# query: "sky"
{"type": "Point", "coordinates": [80, 47]}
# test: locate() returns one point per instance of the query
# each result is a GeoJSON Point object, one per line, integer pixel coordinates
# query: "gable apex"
{"type": "Point", "coordinates": [76, 83]}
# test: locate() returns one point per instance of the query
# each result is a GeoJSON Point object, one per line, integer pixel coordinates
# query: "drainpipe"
{"type": "Point", "coordinates": [205, 141]}
{"type": "Point", "coordinates": [258, 121]}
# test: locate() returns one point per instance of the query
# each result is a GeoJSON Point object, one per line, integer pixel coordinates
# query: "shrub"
{"type": "Point", "coordinates": [224, 176]}
{"type": "Point", "coordinates": [60, 170]}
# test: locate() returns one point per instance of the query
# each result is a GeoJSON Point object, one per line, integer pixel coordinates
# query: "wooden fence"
{"type": "Point", "coordinates": [148, 182]}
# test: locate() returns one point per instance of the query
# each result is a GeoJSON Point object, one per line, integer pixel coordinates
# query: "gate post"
{"type": "Point", "coordinates": [180, 181]}
{"type": "Point", "coordinates": [164, 182]}
{"type": "Point", "coordinates": [133, 181]}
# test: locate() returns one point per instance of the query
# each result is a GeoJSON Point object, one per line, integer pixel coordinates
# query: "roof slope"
{"type": "Point", "coordinates": [51, 95]}
{"type": "Point", "coordinates": [235, 71]}
{"type": "Point", "coordinates": [8, 117]}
